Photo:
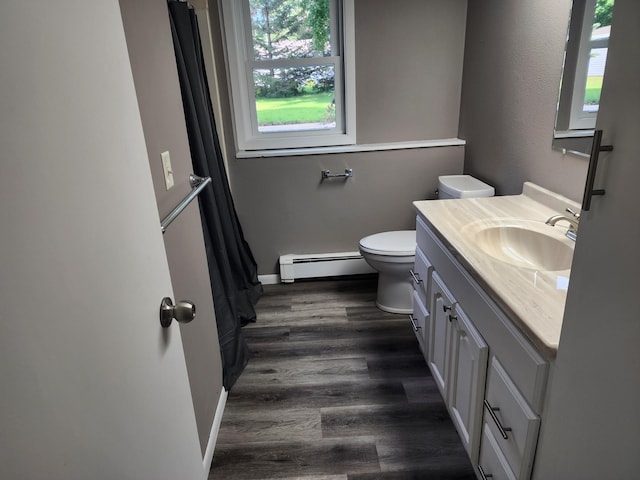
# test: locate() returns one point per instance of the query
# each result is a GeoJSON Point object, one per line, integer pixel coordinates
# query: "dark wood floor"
{"type": "Point", "coordinates": [335, 390]}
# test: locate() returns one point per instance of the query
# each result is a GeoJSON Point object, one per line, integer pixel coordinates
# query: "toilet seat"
{"type": "Point", "coordinates": [393, 244]}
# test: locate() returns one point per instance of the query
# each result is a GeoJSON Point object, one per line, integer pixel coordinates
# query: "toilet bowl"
{"type": "Point", "coordinates": [392, 255]}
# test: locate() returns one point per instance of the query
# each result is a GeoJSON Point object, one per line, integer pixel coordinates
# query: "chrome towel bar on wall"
{"type": "Point", "coordinates": [348, 173]}
{"type": "Point", "coordinates": [197, 185]}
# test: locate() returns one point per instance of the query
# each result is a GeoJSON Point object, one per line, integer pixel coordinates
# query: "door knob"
{"type": "Point", "coordinates": [184, 311]}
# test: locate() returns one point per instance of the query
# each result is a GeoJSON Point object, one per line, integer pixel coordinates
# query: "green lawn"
{"type": "Point", "coordinates": [307, 108]}
{"type": "Point", "coordinates": [592, 92]}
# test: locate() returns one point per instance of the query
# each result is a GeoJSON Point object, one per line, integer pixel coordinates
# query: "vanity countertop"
{"type": "Point", "coordinates": [533, 299]}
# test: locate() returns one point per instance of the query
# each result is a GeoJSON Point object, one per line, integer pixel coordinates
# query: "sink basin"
{"type": "Point", "coordinates": [526, 243]}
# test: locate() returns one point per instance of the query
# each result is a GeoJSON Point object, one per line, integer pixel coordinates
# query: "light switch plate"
{"type": "Point", "coordinates": [168, 171]}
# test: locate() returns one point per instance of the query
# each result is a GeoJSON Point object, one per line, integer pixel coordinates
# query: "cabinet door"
{"type": "Point", "coordinates": [441, 305]}
{"type": "Point", "coordinates": [467, 371]}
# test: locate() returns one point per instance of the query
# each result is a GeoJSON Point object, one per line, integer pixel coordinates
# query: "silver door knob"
{"type": "Point", "coordinates": [183, 312]}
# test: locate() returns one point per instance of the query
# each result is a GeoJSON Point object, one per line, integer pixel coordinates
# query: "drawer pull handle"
{"type": "Point", "coordinates": [492, 411]}
{"type": "Point", "coordinates": [484, 475]}
{"type": "Point", "coordinates": [447, 308]}
{"type": "Point", "coordinates": [453, 317]}
{"type": "Point", "coordinates": [416, 277]}
{"type": "Point", "coordinates": [415, 326]}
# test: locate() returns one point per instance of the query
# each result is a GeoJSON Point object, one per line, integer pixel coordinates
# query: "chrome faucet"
{"type": "Point", "coordinates": [573, 221]}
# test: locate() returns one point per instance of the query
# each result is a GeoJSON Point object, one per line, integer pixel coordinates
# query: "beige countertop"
{"type": "Point", "coordinates": [533, 299]}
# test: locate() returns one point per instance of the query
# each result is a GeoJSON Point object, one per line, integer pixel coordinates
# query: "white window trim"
{"type": "Point", "coordinates": [362, 147]}
{"type": "Point", "coordinates": [578, 118]}
{"type": "Point", "coordinates": [243, 108]}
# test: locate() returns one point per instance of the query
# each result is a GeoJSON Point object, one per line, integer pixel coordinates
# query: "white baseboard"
{"type": "Point", "coordinates": [269, 279]}
{"type": "Point", "coordinates": [215, 428]}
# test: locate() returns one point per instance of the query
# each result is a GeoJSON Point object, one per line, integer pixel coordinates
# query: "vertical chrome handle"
{"type": "Point", "coordinates": [484, 475]}
{"type": "Point", "coordinates": [596, 148]}
{"type": "Point", "coordinates": [416, 277]}
{"type": "Point", "coordinates": [492, 411]}
{"type": "Point", "coordinates": [413, 323]}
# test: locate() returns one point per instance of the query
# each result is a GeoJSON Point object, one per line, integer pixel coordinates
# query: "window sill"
{"type": "Point", "coordinates": [368, 147]}
{"type": "Point", "coordinates": [573, 133]}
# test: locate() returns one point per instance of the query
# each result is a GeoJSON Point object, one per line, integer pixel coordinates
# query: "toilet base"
{"type": "Point", "coordinates": [402, 311]}
{"type": "Point", "coordinates": [395, 295]}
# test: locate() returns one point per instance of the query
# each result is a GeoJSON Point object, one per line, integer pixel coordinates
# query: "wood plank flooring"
{"type": "Point", "coordinates": [335, 390]}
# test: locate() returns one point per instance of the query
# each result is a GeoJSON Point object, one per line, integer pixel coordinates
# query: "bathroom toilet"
{"type": "Point", "coordinates": [392, 254]}
{"type": "Point", "coordinates": [462, 186]}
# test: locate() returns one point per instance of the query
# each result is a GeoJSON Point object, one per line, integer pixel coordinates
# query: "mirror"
{"type": "Point", "coordinates": [585, 59]}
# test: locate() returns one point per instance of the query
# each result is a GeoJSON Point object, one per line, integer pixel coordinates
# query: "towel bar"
{"type": "Point", "coordinates": [348, 172]}
{"type": "Point", "coordinates": [197, 184]}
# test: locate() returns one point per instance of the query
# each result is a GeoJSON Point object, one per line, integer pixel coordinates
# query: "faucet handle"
{"type": "Point", "coordinates": [575, 214]}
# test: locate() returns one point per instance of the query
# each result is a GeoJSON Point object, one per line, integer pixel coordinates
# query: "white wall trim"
{"type": "Point", "coordinates": [215, 428]}
{"type": "Point", "coordinates": [201, 8]}
{"type": "Point", "coordinates": [269, 279]}
{"type": "Point", "coordinates": [365, 147]}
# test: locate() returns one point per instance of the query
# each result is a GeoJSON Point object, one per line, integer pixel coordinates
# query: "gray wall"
{"type": "Point", "coordinates": [407, 89]}
{"type": "Point", "coordinates": [153, 63]}
{"type": "Point", "coordinates": [512, 69]}
{"type": "Point", "coordinates": [284, 208]}
{"type": "Point", "coordinates": [408, 69]}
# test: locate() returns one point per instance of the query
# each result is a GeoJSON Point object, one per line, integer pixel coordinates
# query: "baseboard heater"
{"type": "Point", "coordinates": [317, 265]}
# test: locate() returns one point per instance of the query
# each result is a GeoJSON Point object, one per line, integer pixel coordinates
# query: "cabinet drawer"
{"type": "Point", "coordinates": [492, 463]}
{"type": "Point", "coordinates": [422, 270]}
{"type": "Point", "coordinates": [506, 407]}
{"type": "Point", "coordinates": [420, 320]}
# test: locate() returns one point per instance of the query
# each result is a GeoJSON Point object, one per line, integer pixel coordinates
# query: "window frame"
{"type": "Point", "coordinates": [239, 53]}
{"type": "Point", "coordinates": [578, 118]}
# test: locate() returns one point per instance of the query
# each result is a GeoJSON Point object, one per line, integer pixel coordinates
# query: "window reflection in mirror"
{"type": "Point", "coordinates": [583, 73]}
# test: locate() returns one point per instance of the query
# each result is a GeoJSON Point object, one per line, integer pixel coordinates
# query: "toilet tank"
{"type": "Point", "coordinates": [463, 186]}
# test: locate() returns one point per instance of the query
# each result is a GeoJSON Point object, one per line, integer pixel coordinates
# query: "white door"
{"type": "Point", "coordinates": [91, 387]}
{"type": "Point", "coordinates": [593, 417]}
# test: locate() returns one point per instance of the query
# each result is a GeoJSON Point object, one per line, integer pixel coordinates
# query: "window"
{"type": "Point", "coordinates": [291, 69]}
{"type": "Point", "coordinates": [590, 64]}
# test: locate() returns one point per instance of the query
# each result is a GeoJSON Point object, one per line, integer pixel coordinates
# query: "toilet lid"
{"type": "Point", "coordinates": [398, 243]}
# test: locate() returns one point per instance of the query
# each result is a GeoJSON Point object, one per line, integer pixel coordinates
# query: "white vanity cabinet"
{"type": "Point", "coordinates": [490, 376]}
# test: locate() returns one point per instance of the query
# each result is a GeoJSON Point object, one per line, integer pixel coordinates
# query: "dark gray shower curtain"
{"type": "Point", "coordinates": [232, 268]}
